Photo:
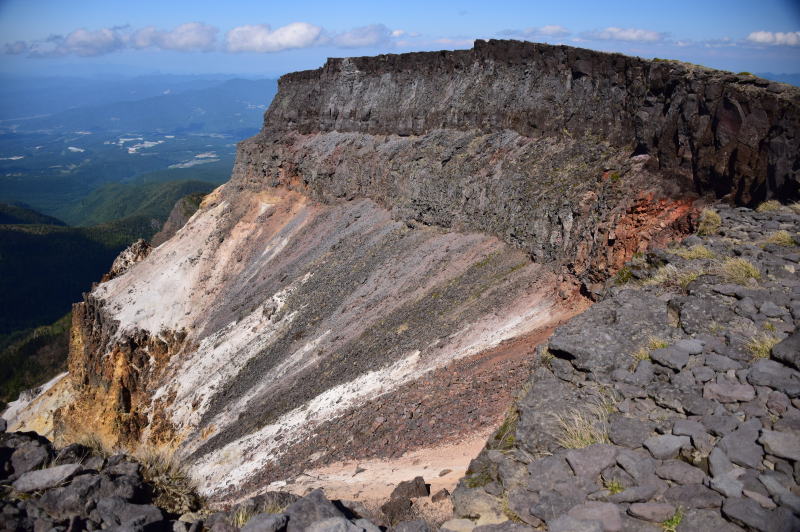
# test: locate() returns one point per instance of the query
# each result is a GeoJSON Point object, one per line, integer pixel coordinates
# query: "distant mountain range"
{"type": "Point", "coordinates": [230, 107]}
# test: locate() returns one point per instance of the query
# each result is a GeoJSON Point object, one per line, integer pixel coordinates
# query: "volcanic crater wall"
{"type": "Point", "coordinates": [483, 138]}
{"type": "Point", "coordinates": [400, 217]}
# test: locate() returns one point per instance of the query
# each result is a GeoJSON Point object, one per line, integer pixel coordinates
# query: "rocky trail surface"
{"type": "Point", "coordinates": [672, 404]}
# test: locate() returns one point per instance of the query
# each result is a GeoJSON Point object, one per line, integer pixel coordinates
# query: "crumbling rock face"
{"type": "Point", "coordinates": [127, 258]}
{"type": "Point", "coordinates": [111, 377]}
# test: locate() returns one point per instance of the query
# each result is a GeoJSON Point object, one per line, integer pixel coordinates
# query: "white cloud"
{"type": "Point", "coordinates": [398, 33]}
{"type": "Point", "coordinates": [624, 34]}
{"type": "Point", "coordinates": [554, 30]}
{"type": "Point", "coordinates": [189, 37]}
{"type": "Point", "coordinates": [261, 38]}
{"type": "Point", "coordinates": [551, 30]}
{"type": "Point", "coordinates": [88, 43]}
{"type": "Point", "coordinates": [363, 36]}
{"type": "Point", "coordinates": [791, 38]}
{"type": "Point", "coordinates": [16, 48]}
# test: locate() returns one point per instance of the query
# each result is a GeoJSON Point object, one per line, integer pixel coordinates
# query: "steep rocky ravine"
{"type": "Point", "coordinates": [395, 243]}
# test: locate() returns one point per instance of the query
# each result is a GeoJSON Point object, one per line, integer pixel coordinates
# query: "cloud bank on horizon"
{"type": "Point", "coordinates": [262, 38]}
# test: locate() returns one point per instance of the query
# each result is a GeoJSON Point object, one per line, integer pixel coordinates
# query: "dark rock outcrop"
{"type": "Point", "coordinates": [506, 137]}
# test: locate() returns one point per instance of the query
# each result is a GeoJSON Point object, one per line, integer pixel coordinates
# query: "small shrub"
{"type": "Point", "coordinates": [782, 238]}
{"type": "Point", "coordinates": [769, 206]}
{"type": "Point", "coordinates": [547, 357]}
{"type": "Point", "coordinates": [709, 222]}
{"type": "Point", "coordinates": [672, 524]}
{"type": "Point", "coordinates": [478, 480]}
{"type": "Point", "coordinates": [614, 486]}
{"type": "Point", "coordinates": [769, 326]}
{"type": "Point", "coordinates": [582, 428]}
{"type": "Point", "coordinates": [697, 251]}
{"type": "Point", "coordinates": [761, 345]}
{"type": "Point", "coordinates": [654, 342]}
{"type": "Point", "coordinates": [624, 275]}
{"type": "Point", "coordinates": [744, 74]}
{"type": "Point", "coordinates": [505, 437]}
{"type": "Point", "coordinates": [739, 271]}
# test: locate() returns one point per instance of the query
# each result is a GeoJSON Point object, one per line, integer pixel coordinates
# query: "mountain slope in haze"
{"type": "Point", "coordinates": [36, 96]}
{"type": "Point", "coordinates": [22, 214]}
{"type": "Point", "coordinates": [231, 107]}
{"type": "Point", "coordinates": [45, 268]}
{"type": "Point", "coordinates": [31, 357]}
{"type": "Point", "coordinates": [117, 201]}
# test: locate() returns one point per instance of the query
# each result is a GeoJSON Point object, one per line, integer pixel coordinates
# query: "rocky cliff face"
{"type": "Point", "coordinates": [395, 243]}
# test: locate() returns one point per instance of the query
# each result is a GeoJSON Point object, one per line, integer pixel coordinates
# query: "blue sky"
{"type": "Point", "coordinates": [267, 38]}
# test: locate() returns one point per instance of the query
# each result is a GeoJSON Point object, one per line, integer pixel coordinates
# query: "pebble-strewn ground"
{"type": "Point", "coordinates": [673, 404]}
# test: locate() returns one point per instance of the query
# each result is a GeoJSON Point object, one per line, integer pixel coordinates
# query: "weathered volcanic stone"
{"type": "Point", "coordinates": [652, 511]}
{"type": "Point", "coordinates": [590, 461]}
{"type": "Point", "coordinates": [45, 478]}
{"type": "Point", "coordinates": [627, 431]}
{"type": "Point", "coordinates": [729, 393]}
{"type": "Point", "coordinates": [783, 444]}
{"type": "Point", "coordinates": [741, 447]}
{"type": "Point", "coordinates": [311, 508]}
{"type": "Point", "coordinates": [775, 375]}
{"type": "Point", "coordinates": [749, 513]}
{"type": "Point", "coordinates": [693, 496]}
{"type": "Point", "coordinates": [411, 489]}
{"type": "Point", "coordinates": [606, 513]}
{"type": "Point", "coordinates": [266, 523]}
{"type": "Point", "coordinates": [670, 357]}
{"type": "Point", "coordinates": [788, 350]}
{"type": "Point", "coordinates": [567, 523]}
{"type": "Point", "coordinates": [666, 446]}
{"type": "Point", "coordinates": [680, 472]}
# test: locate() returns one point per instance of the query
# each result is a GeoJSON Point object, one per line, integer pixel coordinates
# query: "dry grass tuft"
{"type": "Point", "coordinates": [795, 207]}
{"type": "Point", "coordinates": [97, 446]}
{"type": "Point", "coordinates": [583, 427]}
{"type": "Point", "coordinates": [709, 222]}
{"type": "Point", "coordinates": [739, 271]}
{"type": "Point", "coordinates": [782, 238]}
{"type": "Point", "coordinates": [697, 251]}
{"type": "Point", "coordinates": [241, 517]}
{"type": "Point", "coordinates": [761, 345]}
{"type": "Point", "coordinates": [174, 489]}
{"type": "Point", "coordinates": [670, 276]}
{"type": "Point", "coordinates": [769, 206]}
